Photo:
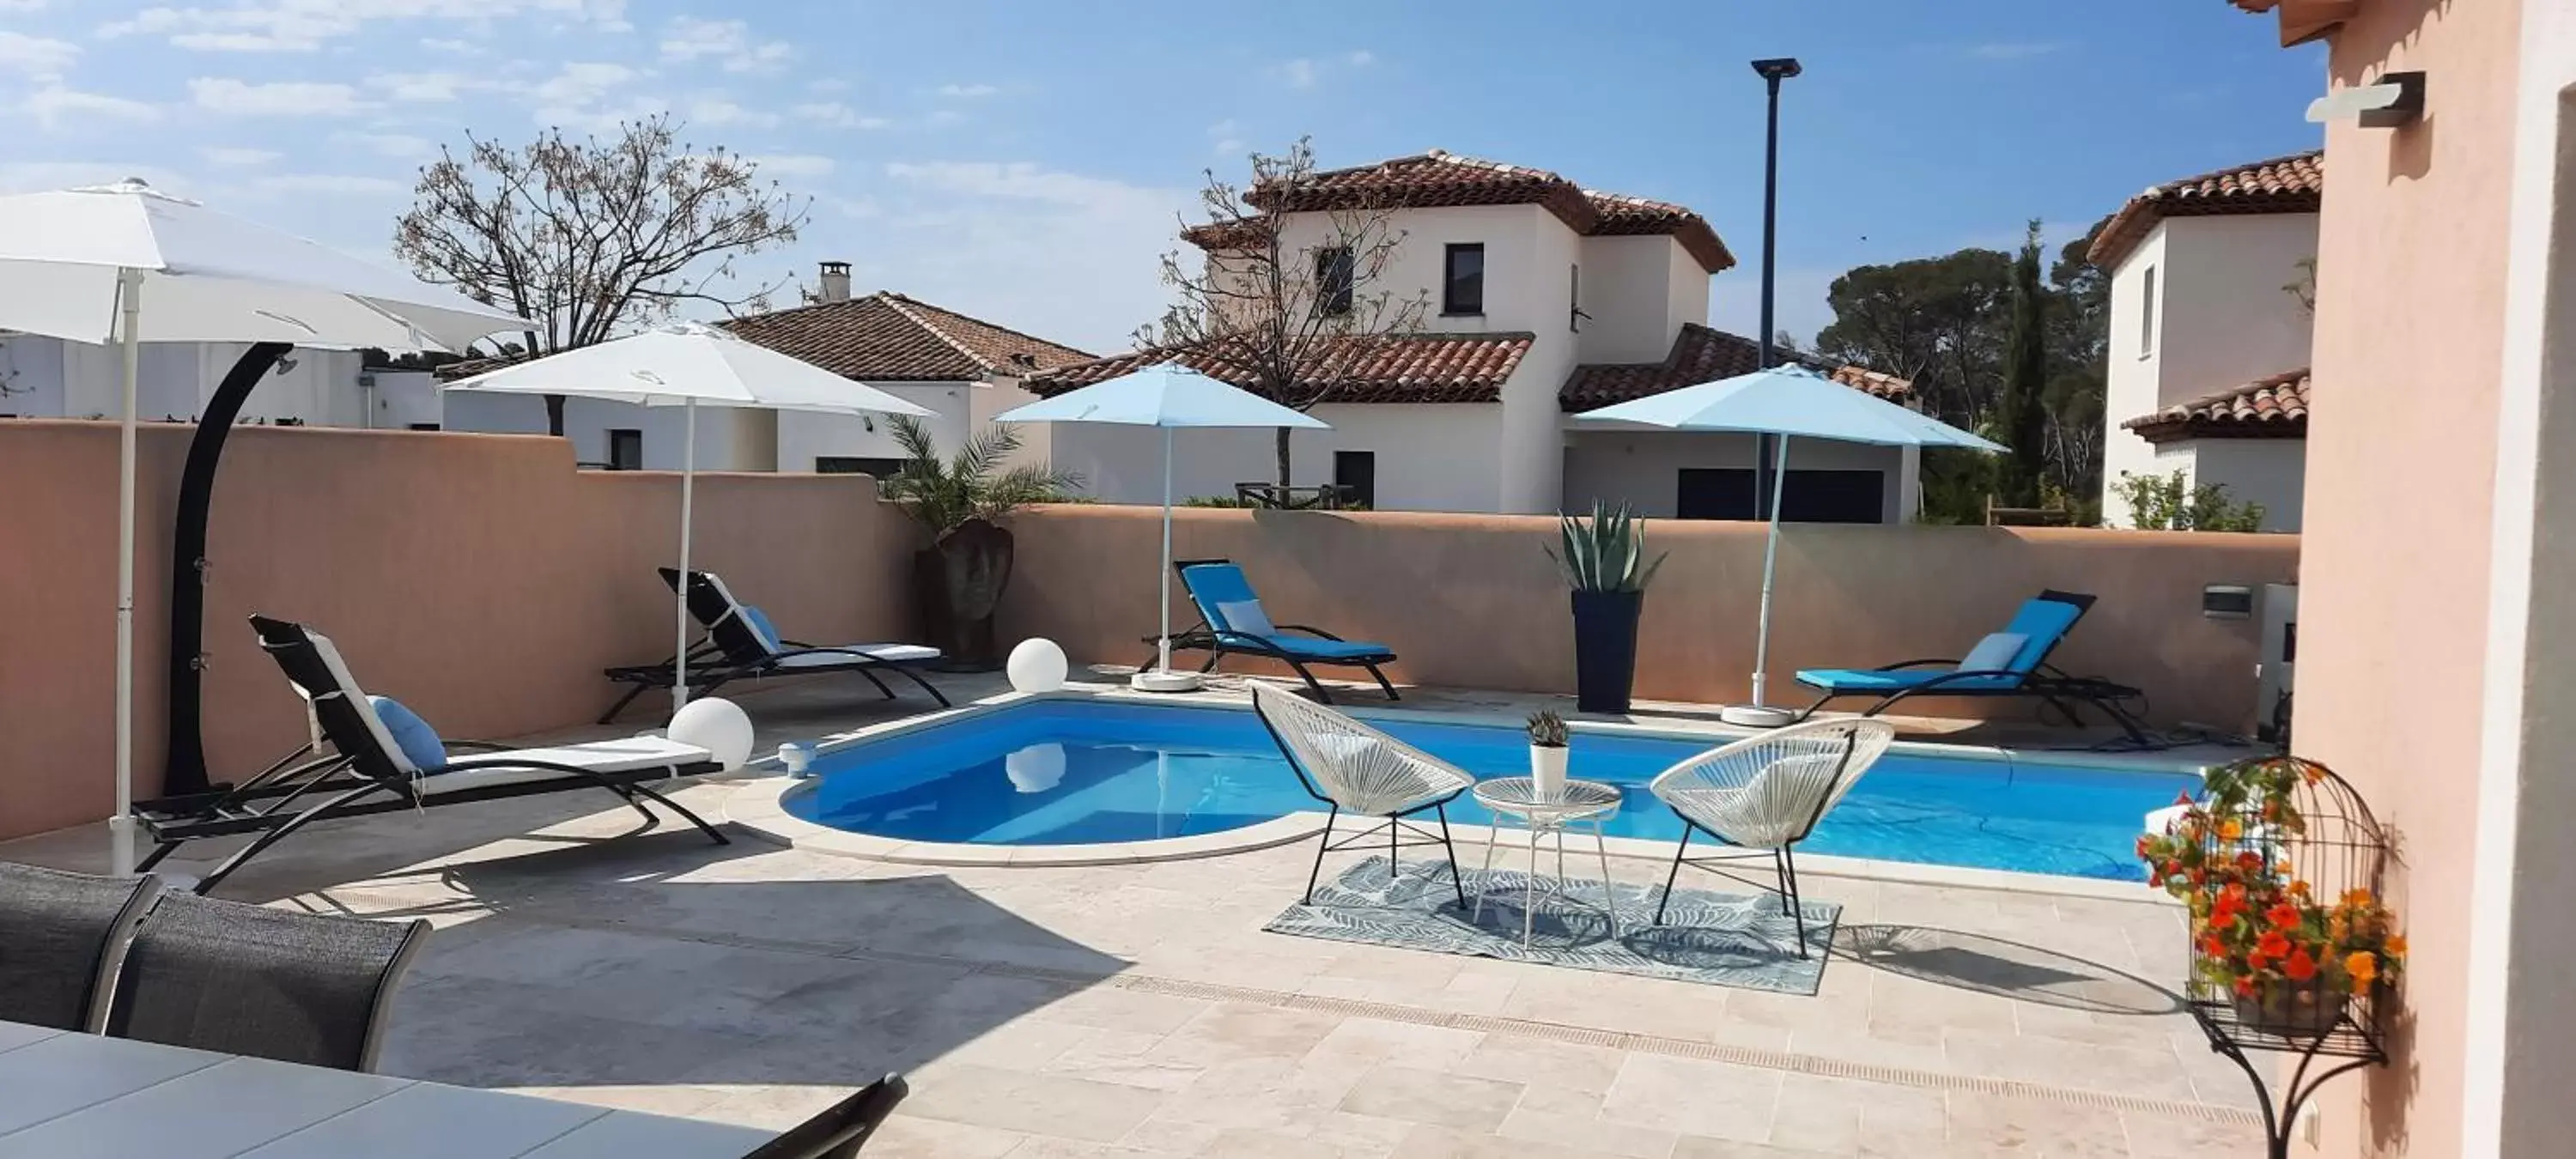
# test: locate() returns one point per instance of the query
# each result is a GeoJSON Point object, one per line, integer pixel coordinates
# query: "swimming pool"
{"type": "Point", "coordinates": [1070, 772]}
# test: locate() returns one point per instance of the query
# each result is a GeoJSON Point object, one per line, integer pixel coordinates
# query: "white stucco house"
{"type": "Point", "coordinates": [54, 378]}
{"type": "Point", "coordinates": [2209, 346]}
{"type": "Point", "coordinates": [1545, 299]}
{"type": "Point", "coordinates": [964, 370]}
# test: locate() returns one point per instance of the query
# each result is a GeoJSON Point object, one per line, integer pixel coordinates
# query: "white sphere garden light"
{"type": "Point", "coordinates": [1037, 665]}
{"type": "Point", "coordinates": [716, 725]}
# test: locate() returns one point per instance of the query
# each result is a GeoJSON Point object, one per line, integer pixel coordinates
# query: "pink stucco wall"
{"type": "Point", "coordinates": [1474, 601]}
{"type": "Point", "coordinates": [2401, 459]}
{"type": "Point", "coordinates": [479, 578]}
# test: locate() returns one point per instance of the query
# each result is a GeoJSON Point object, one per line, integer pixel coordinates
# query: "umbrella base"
{"type": "Point", "coordinates": [1156, 681]}
{"type": "Point", "coordinates": [1756, 716]}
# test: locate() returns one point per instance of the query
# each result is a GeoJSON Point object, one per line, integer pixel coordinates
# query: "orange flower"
{"type": "Point", "coordinates": [2363, 966]}
{"type": "Point", "coordinates": [2211, 947]}
{"type": "Point", "coordinates": [2249, 861]}
{"type": "Point", "coordinates": [2312, 773]}
{"type": "Point", "coordinates": [2245, 987]}
{"type": "Point", "coordinates": [2230, 829]}
{"type": "Point", "coordinates": [2300, 967]}
{"type": "Point", "coordinates": [2298, 889]}
{"type": "Point", "coordinates": [2356, 899]}
{"type": "Point", "coordinates": [2397, 945]}
{"type": "Point", "coordinates": [2284, 916]}
{"type": "Point", "coordinates": [2272, 944]}
{"type": "Point", "coordinates": [2255, 961]}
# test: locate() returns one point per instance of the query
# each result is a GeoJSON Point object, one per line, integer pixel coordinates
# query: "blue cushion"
{"type": "Point", "coordinates": [2044, 623]}
{"type": "Point", "coordinates": [418, 742]}
{"type": "Point", "coordinates": [1214, 585]}
{"type": "Point", "coordinates": [1857, 680]}
{"type": "Point", "coordinates": [1309, 648]}
{"type": "Point", "coordinates": [758, 622]}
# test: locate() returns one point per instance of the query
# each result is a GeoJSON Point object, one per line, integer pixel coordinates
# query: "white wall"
{"type": "Point", "coordinates": [1628, 293]}
{"type": "Point", "coordinates": [804, 437]}
{"type": "Point", "coordinates": [1531, 452]}
{"type": "Point", "coordinates": [2272, 472]}
{"type": "Point", "coordinates": [1429, 456]}
{"type": "Point", "coordinates": [587, 422]}
{"type": "Point", "coordinates": [2222, 320]}
{"type": "Point", "coordinates": [401, 399]}
{"type": "Point", "coordinates": [52, 378]}
{"type": "Point", "coordinates": [1642, 468]}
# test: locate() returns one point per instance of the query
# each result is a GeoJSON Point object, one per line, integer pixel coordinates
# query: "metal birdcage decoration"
{"type": "Point", "coordinates": [2293, 947]}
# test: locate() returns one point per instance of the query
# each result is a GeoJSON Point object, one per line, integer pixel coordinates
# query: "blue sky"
{"type": "Point", "coordinates": [1023, 161]}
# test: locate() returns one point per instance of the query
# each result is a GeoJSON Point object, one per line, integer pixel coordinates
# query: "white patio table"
{"type": "Point", "coordinates": [66, 1095]}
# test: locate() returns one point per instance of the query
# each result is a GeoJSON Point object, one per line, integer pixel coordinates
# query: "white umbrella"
{"type": "Point", "coordinates": [1785, 401]}
{"type": "Point", "coordinates": [1170, 396]}
{"type": "Point", "coordinates": [125, 265]}
{"type": "Point", "coordinates": [683, 365]}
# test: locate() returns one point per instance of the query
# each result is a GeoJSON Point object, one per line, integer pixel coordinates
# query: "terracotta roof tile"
{"type": "Point", "coordinates": [2292, 184]}
{"type": "Point", "coordinates": [1394, 368]}
{"type": "Point", "coordinates": [1438, 178]}
{"type": "Point", "coordinates": [2266, 408]}
{"type": "Point", "coordinates": [1702, 354]}
{"type": "Point", "coordinates": [888, 337]}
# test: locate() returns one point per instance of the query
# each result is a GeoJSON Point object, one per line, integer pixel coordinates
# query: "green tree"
{"type": "Point", "coordinates": [2172, 503]}
{"type": "Point", "coordinates": [1935, 321]}
{"type": "Point", "coordinates": [2025, 373]}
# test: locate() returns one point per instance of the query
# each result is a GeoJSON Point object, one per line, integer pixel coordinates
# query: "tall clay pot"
{"type": "Point", "coordinates": [958, 582]}
{"type": "Point", "coordinates": [1605, 649]}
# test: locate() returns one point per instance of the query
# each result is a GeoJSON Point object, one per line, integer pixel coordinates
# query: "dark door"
{"type": "Point", "coordinates": [1355, 472]}
{"type": "Point", "coordinates": [625, 450]}
{"type": "Point", "coordinates": [1714, 493]}
{"type": "Point", "coordinates": [1834, 497]}
{"type": "Point", "coordinates": [880, 469]}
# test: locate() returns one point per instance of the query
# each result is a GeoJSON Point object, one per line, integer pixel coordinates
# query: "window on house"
{"type": "Point", "coordinates": [1462, 287]}
{"type": "Point", "coordinates": [1574, 314]}
{"type": "Point", "coordinates": [625, 450]}
{"type": "Point", "coordinates": [1333, 280]}
{"type": "Point", "coordinates": [2147, 314]}
{"type": "Point", "coordinates": [1355, 472]}
{"type": "Point", "coordinates": [881, 469]}
{"type": "Point", "coordinates": [424, 426]}
{"type": "Point", "coordinates": [1812, 496]}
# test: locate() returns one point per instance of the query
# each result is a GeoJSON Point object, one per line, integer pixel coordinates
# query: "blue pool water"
{"type": "Point", "coordinates": [1073, 772]}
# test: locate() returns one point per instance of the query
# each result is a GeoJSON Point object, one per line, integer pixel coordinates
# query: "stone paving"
{"type": "Point", "coordinates": [1138, 1011]}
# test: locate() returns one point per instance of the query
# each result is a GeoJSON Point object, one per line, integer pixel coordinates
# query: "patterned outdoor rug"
{"type": "Point", "coordinates": [1718, 939]}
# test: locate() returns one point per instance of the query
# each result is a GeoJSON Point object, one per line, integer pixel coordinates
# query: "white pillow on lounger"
{"type": "Point", "coordinates": [1994, 653]}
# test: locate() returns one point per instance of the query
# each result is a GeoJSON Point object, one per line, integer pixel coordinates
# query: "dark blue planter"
{"type": "Point", "coordinates": [1605, 649]}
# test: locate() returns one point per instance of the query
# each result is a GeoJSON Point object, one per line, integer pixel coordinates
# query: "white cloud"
{"type": "Point", "coordinates": [36, 56]}
{"type": "Point", "coordinates": [399, 146]}
{"type": "Point", "coordinates": [793, 165]}
{"type": "Point", "coordinates": [21, 5]}
{"type": "Point", "coordinates": [31, 176]}
{"type": "Point", "coordinates": [1227, 136]}
{"type": "Point", "coordinates": [967, 92]}
{"type": "Point", "coordinates": [329, 184]}
{"type": "Point", "coordinates": [427, 87]}
{"type": "Point", "coordinates": [54, 106]}
{"type": "Point", "coordinates": [727, 42]}
{"type": "Point", "coordinates": [584, 95]}
{"type": "Point", "coordinates": [445, 44]}
{"type": "Point", "coordinates": [835, 115]}
{"type": "Point", "coordinates": [2013, 50]}
{"type": "Point", "coordinates": [305, 25]}
{"type": "Point", "coordinates": [240, 98]}
{"type": "Point", "coordinates": [236, 157]}
{"type": "Point", "coordinates": [1296, 74]}
{"type": "Point", "coordinates": [718, 112]}
{"type": "Point", "coordinates": [1359, 58]}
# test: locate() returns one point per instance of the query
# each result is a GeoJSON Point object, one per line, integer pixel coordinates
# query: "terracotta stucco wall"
{"type": "Point", "coordinates": [478, 578]}
{"type": "Point", "coordinates": [1471, 600]}
{"type": "Point", "coordinates": [2401, 458]}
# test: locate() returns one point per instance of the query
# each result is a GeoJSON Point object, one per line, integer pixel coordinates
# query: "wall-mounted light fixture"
{"type": "Point", "coordinates": [2396, 98]}
{"type": "Point", "coordinates": [2227, 602]}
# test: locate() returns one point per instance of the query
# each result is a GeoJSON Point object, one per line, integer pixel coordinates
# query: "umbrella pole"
{"type": "Point", "coordinates": [1770, 556]}
{"type": "Point", "coordinates": [120, 827]}
{"type": "Point", "coordinates": [1163, 644]}
{"type": "Point", "coordinates": [688, 498]}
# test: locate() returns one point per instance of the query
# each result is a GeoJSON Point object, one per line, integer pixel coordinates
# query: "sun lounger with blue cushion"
{"type": "Point", "coordinates": [1231, 619]}
{"type": "Point", "coordinates": [2012, 662]}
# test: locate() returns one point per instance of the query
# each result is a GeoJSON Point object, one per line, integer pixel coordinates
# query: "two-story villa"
{"type": "Point", "coordinates": [1545, 299]}
{"type": "Point", "coordinates": [2209, 334]}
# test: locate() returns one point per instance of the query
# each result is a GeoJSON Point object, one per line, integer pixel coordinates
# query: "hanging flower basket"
{"type": "Point", "coordinates": [2300, 1010]}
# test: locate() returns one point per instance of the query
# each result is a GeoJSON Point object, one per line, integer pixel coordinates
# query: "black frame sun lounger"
{"type": "Point", "coordinates": [733, 649]}
{"type": "Point", "coordinates": [2044, 620]}
{"type": "Point", "coordinates": [365, 772]}
{"type": "Point", "coordinates": [1214, 584]}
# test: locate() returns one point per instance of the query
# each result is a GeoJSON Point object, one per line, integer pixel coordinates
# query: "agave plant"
{"type": "Point", "coordinates": [943, 494]}
{"type": "Point", "coordinates": [1607, 552]}
{"type": "Point", "coordinates": [1547, 730]}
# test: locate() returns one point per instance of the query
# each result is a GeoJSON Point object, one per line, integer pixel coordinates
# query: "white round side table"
{"type": "Point", "coordinates": [1579, 801]}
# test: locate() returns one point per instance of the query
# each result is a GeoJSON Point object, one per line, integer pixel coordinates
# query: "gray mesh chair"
{"type": "Point", "coordinates": [1359, 770]}
{"type": "Point", "coordinates": [62, 936]}
{"type": "Point", "coordinates": [841, 1130]}
{"type": "Point", "coordinates": [246, 979]}
{"type": "Point", "coordinates": [1765, 793]}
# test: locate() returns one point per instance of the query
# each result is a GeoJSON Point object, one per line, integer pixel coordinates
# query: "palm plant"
{"type": "Point", "coordinates": [943, 495]}
{"type": "Point", "coordinates": [1607, 552]}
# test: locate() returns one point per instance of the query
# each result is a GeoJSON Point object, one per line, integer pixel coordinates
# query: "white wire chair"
{"type": "Point", "coordinates": [1357, 769]}
{"type": "Point", "coordinates": [1766, 793]}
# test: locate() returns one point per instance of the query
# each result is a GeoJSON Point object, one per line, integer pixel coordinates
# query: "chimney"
{"type": "Point", "coordinates": [836, 282]}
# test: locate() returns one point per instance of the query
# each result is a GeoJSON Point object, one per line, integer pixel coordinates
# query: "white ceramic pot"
{"type": "Point", "coordinates": [1547, 767]}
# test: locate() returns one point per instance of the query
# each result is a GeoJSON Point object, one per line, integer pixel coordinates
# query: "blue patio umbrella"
{"type": "Point", "coordinates": [1170, 396]}
{"type": "Point", "coordinates": [1789, 402]}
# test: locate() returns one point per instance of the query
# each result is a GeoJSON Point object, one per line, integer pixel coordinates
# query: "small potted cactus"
{"type": "Point", "coordinates": [1548, 749]}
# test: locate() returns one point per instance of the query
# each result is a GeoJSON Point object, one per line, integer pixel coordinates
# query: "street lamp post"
{"type": "Point", "coordinates": [1773, 71]}
{"type": "Point", "coordinates": [1759, 714]}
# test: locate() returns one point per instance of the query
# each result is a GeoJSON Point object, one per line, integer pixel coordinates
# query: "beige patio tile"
{"type": "Point", "coordinates": [1229, 1031]}
{"type": "Point", "coordinates": [2165, 1137]}
{"type": "Point", "coordinates": [1361, 1042]}
{"type": "Point", "coordinates": [1037, 1104]}
{"type": "Point", "coordinates": [1118, 1056]}
{"type": "Point", "coordinates": [1551, 1131]}
{"type": "Point", "coordinates": [1113, 1008]}
{"type": "Point", "coordinates": [1050, 1147]}
{"type": "Point", "coordinates": [1542, 1064]}
{"type": "Point", "coordinates": [1022, 1044]}
{"type": "Point", "coordinates": [1694, 1097]}
{"type": "Point", "coordinates": [1846, 1116]}
{"type": "Point", "coordinates": [1463, 1102]}
{"type": "Point", "coordinates": [1432, 1142]}
{"type": "Point", "coordinates": [2000, 1126]}
{"type": "Point", "coordinates": [912, 1137]}
{"type": "Point", "coordinates": [2083, 1066]}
